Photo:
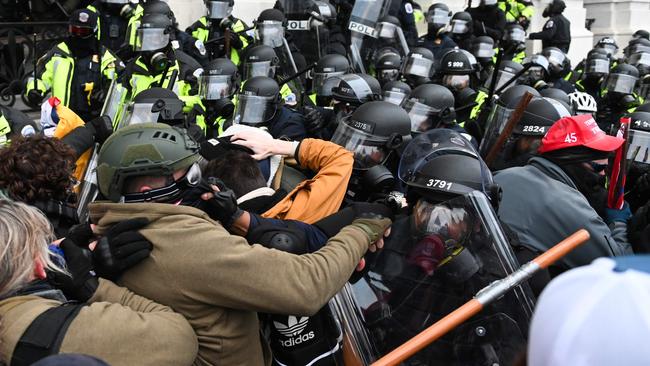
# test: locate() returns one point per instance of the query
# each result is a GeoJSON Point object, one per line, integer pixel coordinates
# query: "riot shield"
{"type": "Point", "coordinates": [364, 22]}
{"type": "Point", "coordinates": [639, 142]}
{"type": "Point", "coordinates": [434, 261]}
{"type": "Point", "coordinates": [306, 25]}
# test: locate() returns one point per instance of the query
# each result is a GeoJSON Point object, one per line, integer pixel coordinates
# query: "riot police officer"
{"type": "Point", "coordinates": [113, 17]}
{"type": "Point", "coordinates": [259, 104]}
{"type": "Point", "coordinates": [418, 67]}
{"type": "Point", "coordinates": [395, 92]}
{"type": "Point", "coordinates": [557, 30]}
{"type": "Point", "coordinates": [594, 71]}
{"type": "Point", "coordinates": [387, 66]}
{"type": "Point", "coordinates": [430, 106]}
{"type": "Point", "coordinates": [462, 29]}
{"type": "Point", "coordinates": [514, 43]}
{"type": "Point", "coordinates": [488, 19]}
{"type": "Point", "coordinates": [78, 70]}
{"type": "Point", "coordinates": [618, 96]}
{"type": "Point", "coordinates": [458, 70]}
{"type": "Point", "coordinates": [218, 85]}
{"type": "Point", "coordinates": [559, 66]}
{"type": "Point", "coordinates": [436, 40]}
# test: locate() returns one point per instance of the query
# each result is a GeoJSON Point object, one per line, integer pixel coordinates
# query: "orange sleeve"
{"type": "Point", "coordinates": [322, 195]}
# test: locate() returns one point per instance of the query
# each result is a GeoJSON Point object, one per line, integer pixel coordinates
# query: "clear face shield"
{"type": "Point", "coordinates": [459, 26]}
{"type": "Point", "coordinates": [515, 35]}
{"type": "Point", "coordinates": [555, 57]}
{"type": "Point", "coordinates": [215, 87]}
{"type": "Point", "coordinates": [439, 17]}
{"type": "Point", "coordinates": [140, 113]}
{"type": "Point", "coordinates": [619, 83]}
{"type": "Point", "coordinates": [261, 68]}
{"type": "Point", "coordinates": [597, 66]}
{"type": "Point", "coordinates": [503, 77]}
{"type": "Point", "coordinates": [394, 96]}
{"type": "Point", "coordinates": [254, 110]}
{"type": "Point", "coordinates": [386, 75]}
{"type": "Point", "coordinates": [423, 117]}
{"type": "Point", "coordinates": [642, 58]}
{"type": "Point", "coordinates": [456, 82]}
{"type": "Point", "coordinates": [218, 9]}
{"type": "Point", "coordinates": [271, 33]}
{"type": "Point", "coordinates": [610, 48]}
{"type": "Point", "coordinates": [639, 143]}
{"type": "Point", "coordinates": [417, 66]}
{"type": "Point", "coordinates": [387, 30]}
{"type": "Point", "coordinates": [434, 262]}
{"type": "Point", "coordinates": [483, 50]}
{"type": "Point", "coordinates": [324, 82]}
{"type": "Point", "coordinates": [368, 150]}
{"type": "Point", "coordinates": [496, 122]}
{"type": "Point", "coordinates": [151, 39]}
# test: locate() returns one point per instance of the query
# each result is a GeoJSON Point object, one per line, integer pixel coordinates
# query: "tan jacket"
{"type": "Point", "coordinates": [117, 326]}
{"type": "Point", "coordinates": [219, 282]}
{"type": "Point", "coordinates": [321, 196]}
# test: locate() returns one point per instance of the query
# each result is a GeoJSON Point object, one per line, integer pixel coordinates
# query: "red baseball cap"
{"type": "Point", "coordinates": [578, 131]}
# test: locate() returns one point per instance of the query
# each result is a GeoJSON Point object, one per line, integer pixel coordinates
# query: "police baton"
{"type": "Point", "coordinates": [507, 130]}
{"type": "Point", "coordinates": [297, 74]}
{"type": "Point", "coordinates": [484, 297]}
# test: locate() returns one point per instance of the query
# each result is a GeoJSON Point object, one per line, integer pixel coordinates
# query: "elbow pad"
{"type": "Point", "coordinates": [287, 239]}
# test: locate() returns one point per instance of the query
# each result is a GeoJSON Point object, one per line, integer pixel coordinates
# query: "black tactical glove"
{"type": "Point", "coordinates": [81, 284]}
{"type": "Point", "coordinates": [121, 248]}
{"type": "Point", "coordinates": [101, 127]}
{"type": "Point", "coordinates": [223, 206]}
{"type": "Point", "coordinates": [97, 97]}
{"type": "Point", "coordinates": [314, 121]}
{"type": "Point", "coordinates": [34, 98]}
{"type": "Point", "coordinates": [235, 41]}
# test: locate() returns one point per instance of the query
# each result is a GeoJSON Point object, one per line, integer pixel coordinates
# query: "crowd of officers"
{"type": "Point", "coordinates": [245, 174]}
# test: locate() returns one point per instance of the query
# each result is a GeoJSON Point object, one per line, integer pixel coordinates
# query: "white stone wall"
{"type": "Point", "coordinates": [618, 18]}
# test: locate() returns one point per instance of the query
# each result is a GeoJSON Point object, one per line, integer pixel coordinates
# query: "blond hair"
{"type": "Point", "coordinates": [24, 237]}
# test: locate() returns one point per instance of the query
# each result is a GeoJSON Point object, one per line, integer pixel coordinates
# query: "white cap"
{"type": "Point", "coordinates": [593, 315]}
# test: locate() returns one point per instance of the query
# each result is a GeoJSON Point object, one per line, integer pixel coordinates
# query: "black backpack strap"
{"type": "Point", "coordinates": [44, 336]}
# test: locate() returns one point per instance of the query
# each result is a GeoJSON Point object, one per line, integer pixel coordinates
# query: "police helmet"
{"type": "Point", "coordinates": [219, 9]}
{"type": "Point", "coordinates": [220, 79]}
{"type": "Point", "coordinates": [622, 79]}
{"type": "Point", "coordinates": [356, 89]}
{"type": "Point", "coordinates": [258, 101]}
{"type": "Point", "coordinates": [557, 94]}
{"type": "Point", "coordinates": [155, 105]}
{"type": "Point", "coordinates": [395, 92]}
{"type": "Point", "coordinates": [609, 45]}
{"type": "Point", "coordinates": [461, 23]}
{"type": "Point", "coordinates": [154, 32]}
{"type": "Point", "coordinates": [558, 62]}
{"type": "Point", "coordinates": [148, 149]}
{"type": "Point", "coordinates": [483, 48]}
{"type": "Point", "coordinates": [388, 66]}
{"type": "Point", "coordinates": [324, 72]}
{"type": "Point", "coordinates": [641, 33]}
{"type": "Point", "coordinates": [260, 60]}
{"type": "Point", "coordinates": [429, 106]}
{"type": "Point", "coordinates": [372, 132]}
{"type": "Point", "coordinates": [418, 63]}
{"type": "Point", "coordinates": [458, 62]}
{"type": "Point", "coordinates": [514, 34]}
{"type": "Point", "coordinates": [539, 116]}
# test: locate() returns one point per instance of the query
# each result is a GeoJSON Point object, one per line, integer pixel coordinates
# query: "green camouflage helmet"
{"type": "Point", "coordinates": [146, 149]}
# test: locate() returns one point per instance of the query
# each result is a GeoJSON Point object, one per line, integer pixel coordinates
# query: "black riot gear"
{"type": "Point", "coordinates": [458, 69]}
{"type": "Point", "coordinates": [483, 49]}
{"type": "Point", "coordinates": [395, 92]}
{"type": "Point", "coordinates": [356, 89]}
{"type": "Point", "coordinates": [621, 79]}
{"type": "Point", "coordinates": [608, 44]}
{"type": "Point", "coordinates": [155, 105]}
{"type": "Point", "coordinates": [258, 101]}
{"type": "Point", "coordinates": [637, 46]}
{"type": "Point", "coordinates": [558, 95]}
{"type": "Point", "coordinates": [557, 30]}
{"type": "Point", "coordinates": [260, 60]}
{"type": "Point", "coordinates": [153, 40]}
{"type": "Point", "coordinates": [324, 72]}
{"type": "Point", "coordinates": [461, 24]}
{"type": "Point", "coordinates": [388, 66]}
{"type": "Point", "coordinates": [219, 9]}
{"type": "Point", "coordinates": [558, 62]}
{"type": "Point", "coordinates": [217, 85]}
{"type": "Point", "coordinates": [539, 116]}
{"type": "Point", "coordinates": [507, 71]}
{"type": "Point", "coordinates": [418, 67]}
{"type": "Point", "coordinates": [438, 17]}
{"type": "Point", "coordinates": [514, 35]}
{"type": "Point", "coordinates": [270, 27]}
{"type": "Point", "coordinates": [430, 106]}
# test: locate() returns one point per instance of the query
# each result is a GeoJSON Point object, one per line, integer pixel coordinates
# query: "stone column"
{"type": "Point", "coordinates": [618, 18]}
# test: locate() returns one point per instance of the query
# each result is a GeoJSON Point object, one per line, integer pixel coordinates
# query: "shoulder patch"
{"type": "Point", "coordinates": [409, 8]}
{"type": "Point", "coordinates": [200, 46]}
{"type": "Point", "coordinates": [549, 24]}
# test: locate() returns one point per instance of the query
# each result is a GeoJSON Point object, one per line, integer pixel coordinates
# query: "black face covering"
{"type": "Point", "coordinates": [82, 47]}
{"type": "Point", "coordinates": [590, 184]}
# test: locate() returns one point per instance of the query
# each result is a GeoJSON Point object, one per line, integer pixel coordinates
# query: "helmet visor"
{"type": "Point", "coordinates": [515, 35]}
{"type": "Point", "coordinates": [459, 26]}
{"type": "Point", "coordinates": [637, 48]}
{"type": "Point", "coordinates": [151, 39]}
{"type": "Point", "coordinates": [261, 68]}
{"type": "Point", "coordinates": [495, 124]}
{"type": "Point", "coordinates": [639, 142]}
{"type": "Point", "coordinates": [456, 82]}
{"type": "Point", "coordinates": [483, 50]}
{"type": "Point", "coordinates": [555, 57]}
{"type": "Point", "coordinates": [503, 77]}
{"type": "Point", "coordinates": [254, 110]}
{"type": "Point", "coordinates": [385, 75]}
{"type": "Point", "coordinates": [417, 66]}
{"type": "Point", "coordinates": [271, 33]}
{"type": "Point", "coordinates": [394, 97]}
{"type": "Point", "coordinates": [324, 82]}
{"type": "Point", "coordinates": [387, 30]}
{"type": "Point", "coordinates": [597, 66]}
{"type": "Point", "coordinates": [352, 88]}
{"type": "Point", "coordinates": [438, 16]}
{"type": "Point", "coordinates": [140, 113]}
{"type": "Point", "coordinates": [215, 87]}
{"type": "Point", "coordinates": [537, 60]}
{"type": "Point", "coordinates": [218, 9]}
{"type": "Point", "coordinates": [368, 150]}
{"type": "Point", "coordinates": [610, 48]}
{"type": "Point", "coordinates": [620, 83]}
{"type": "Point", "coordinates": [642, 58]}
{"type": "Point", "coordinates": [422, 116]}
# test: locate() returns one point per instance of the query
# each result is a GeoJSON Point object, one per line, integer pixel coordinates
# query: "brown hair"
{"type": "Point", "coordinates": [36, 168]}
